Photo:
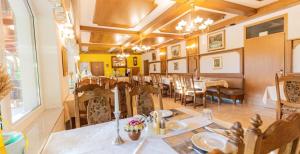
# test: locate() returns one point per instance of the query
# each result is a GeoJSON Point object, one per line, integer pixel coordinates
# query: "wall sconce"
{"type": "Point", "coordinates": [191, 46]}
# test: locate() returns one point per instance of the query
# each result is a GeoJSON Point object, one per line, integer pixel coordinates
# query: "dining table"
{"type": "Point", "coordinates": [98, 138]}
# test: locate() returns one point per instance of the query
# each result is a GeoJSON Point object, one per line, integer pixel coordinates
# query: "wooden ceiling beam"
{"type": "Point", "coordinates": [224, 6]}
{"type": "Point", "coordinates": [108, 30]}
{"type": "Point", "coordinates": [173, 36]}
{"type": "Point", "coordinates": [279, 5]}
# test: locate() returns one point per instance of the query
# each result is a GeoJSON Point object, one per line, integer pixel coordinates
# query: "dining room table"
{"type": "Point", "coordinates": [99, 138]}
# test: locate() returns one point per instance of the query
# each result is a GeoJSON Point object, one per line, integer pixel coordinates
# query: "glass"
{"type": "Point", "coordinates": [20, 56]}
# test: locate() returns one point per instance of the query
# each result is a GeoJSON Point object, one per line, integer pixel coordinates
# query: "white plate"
{"type": "Point", "coordinates": [176, 125]}
{"type": "Point", "coordinates": [208, 141]}
{"type": "Point", "coordinates": [165, 113]}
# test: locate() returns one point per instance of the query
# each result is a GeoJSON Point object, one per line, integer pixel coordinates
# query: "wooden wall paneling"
{"type": "Point", "coordinates": [97, 68]}
{"type": "Point", "coordinates": [294, 44]}
{"type": "Point", "coordinates": [288, 57]}
{"type": "Point", "coordinates": [262, 62]}
{"type": "Point", "coordinates": [146, 67]}
{"type": "Point", "coordinates": [163, 59]}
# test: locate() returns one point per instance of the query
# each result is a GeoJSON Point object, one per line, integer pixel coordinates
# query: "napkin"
{"type": "Point", "coordinates": [140, 146]}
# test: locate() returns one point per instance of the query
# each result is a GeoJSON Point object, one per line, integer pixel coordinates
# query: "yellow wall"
{"type": "Point", "coordinates": [106, 58]}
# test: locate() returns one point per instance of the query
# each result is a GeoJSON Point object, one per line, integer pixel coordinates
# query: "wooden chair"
{"type": "Point", "coordinates": [189, 90]}
{"type": "Point", "coordinates": [144, 101]}
{"type": "Point", "coordinates": [291, 88]}
{"type": "Point", "coordinates": [124, 98]}
{"type": "Point", "coordinates": [178, 88]}
{"type": "Point", "coordinates": [85, 110]}
{"type": "Point", "coordinates": [282, 136]}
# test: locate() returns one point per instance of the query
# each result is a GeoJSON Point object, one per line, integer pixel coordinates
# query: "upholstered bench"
{"type": "Point", "coordinates": [235, 90]}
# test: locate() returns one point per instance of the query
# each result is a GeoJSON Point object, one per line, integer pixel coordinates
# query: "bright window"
{"type": "Point", "coordinates": [20, 56]}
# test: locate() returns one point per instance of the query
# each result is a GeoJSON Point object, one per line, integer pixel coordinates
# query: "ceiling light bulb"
{"type": "Point", "coordinates": [198, 20]}
{"type": "Point", "coordinates": [208, 22]}
{"type": "Point", "coordinates": [182, 23]}
{"type": "Point", "coordinates": [202, 27]}
{"type": "Point", "coordinates": [179, 28]}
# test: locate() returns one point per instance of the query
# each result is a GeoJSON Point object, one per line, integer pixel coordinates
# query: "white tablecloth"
{"type": "Point", "coordinates": [98, 139]}
{"type": "Point", "coordinates": [270, 95]}
{"type": "Point", "coordinates": [203, 84]}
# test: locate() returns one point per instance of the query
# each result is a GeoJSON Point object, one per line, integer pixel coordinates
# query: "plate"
{"type": "Point", "coordinates": [176, 125]}
{"type": "Point", "coordinates": [207, 141]}
{"type": "Point", "coordinates": [164, 113]}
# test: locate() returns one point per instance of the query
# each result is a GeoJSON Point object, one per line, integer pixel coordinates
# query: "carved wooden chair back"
{"type": "Point", "coordinates": [283, 135]}
{"type": "Point", "coordinates": [124, 99]}
{"type": "Point", "coordinates": [97, 104]}
{"type": "Point", "coordinates": [291, 88]}
{"type": "Point", "coordinates": [144, 100]}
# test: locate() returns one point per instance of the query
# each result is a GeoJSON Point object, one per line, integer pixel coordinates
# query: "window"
{"type": "Point", "coordinates": [20, 56]}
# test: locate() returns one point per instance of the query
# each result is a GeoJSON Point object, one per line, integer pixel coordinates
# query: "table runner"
{"type": "Point", "coordinates": [182, 143]}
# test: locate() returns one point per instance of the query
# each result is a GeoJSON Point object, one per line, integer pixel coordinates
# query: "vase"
{"type": "Point", "coordinates": [134, 135]}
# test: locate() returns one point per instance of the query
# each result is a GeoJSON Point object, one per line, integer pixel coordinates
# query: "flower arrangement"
{"type": "Point", "coordinates": [5, 83]}
{"type": "Point", "coordinates": [134, 125]}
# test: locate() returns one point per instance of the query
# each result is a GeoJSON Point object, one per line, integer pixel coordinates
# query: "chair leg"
{"type": "Point", "coordinates": [204, 100]}
{"type": "Point", "coordinates": [174, 97]}
{"type": "Point", "coordinates": [212, 98]}
{"type": "Point", "coordinates": [194, 101]}
{"type": "Point", "coordinates": [234, 101]}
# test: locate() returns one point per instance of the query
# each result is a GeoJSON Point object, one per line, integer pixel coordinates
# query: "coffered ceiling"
{"type": "Point", "coordinates": [106, 25]}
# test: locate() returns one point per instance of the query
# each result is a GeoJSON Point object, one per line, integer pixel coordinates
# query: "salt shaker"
{"type": "Point", "coordinates": [162, 126]}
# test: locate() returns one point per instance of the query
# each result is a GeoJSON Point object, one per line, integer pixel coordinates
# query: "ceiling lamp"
{"type": "Point", "coordinates": [123, 55]}
{"type": "Point", "coordinates": [140, 47]}
{"type": "Point", "coordinates": [194, 23]}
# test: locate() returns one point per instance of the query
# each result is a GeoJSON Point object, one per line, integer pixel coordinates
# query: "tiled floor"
{"type": "Point", "coordinates": [230, 112]}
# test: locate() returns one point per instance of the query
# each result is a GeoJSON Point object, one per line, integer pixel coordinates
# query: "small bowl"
{"type": "Point", "coordinates": [134, 135]}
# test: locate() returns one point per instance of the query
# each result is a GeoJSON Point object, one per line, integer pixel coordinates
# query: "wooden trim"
{"type": "Point", "coordinates": [224, 6]}
{"type": "Point", "coordinates": [284, 16]}
{"type": "Point", "coordinates": [154, 62]}
{"type": "Point", "coordinates": [223, 75]}
{"type": "Point", "coordinates": [294, 44]}
{"type": "Point", "coordinates": [239, 50]}
{"type": "Point", "coordinates": [108, 30]}
{"type": "Point", "coordinates": [221, 51]}
{"type": "Point", "coordinates": [176, 58]}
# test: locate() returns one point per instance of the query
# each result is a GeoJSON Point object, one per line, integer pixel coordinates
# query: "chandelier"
{"type": "Point", "coordinates": [194, 23]}
{"type": "Point", "coordinates": [140, 47]}
{"type": "Point", "coordinates": [123, 55]}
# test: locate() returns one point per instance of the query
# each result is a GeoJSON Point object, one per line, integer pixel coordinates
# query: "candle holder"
{"type": "Point", "coordinates": [117, 140]}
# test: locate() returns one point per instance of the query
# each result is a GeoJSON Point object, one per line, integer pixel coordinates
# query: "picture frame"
{"type": "Point", "coordinates": [118, 62]}
{"type": "Point", "coordinates": [176, 66]}
{"type": "Point", "coordinates": [217, 63]}
{"type": "Point", "coordinates": [154, 67]}
{"type": "Point", "coordinates": [216, 40]}
{"type": "Point", "coordinates": [176, 51]}
{"type": "Point", "coordinates": [134, 59]}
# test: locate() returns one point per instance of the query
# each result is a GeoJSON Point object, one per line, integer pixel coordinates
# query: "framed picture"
{"type": "Point", "coordinates": [154, 67]}
{"type": "Point", "coordinates": [217, 63]}
{"type": "Point", "coordinates": [175, 65]}
{"type": "Point", "coordinates": [176, 51]}
{"type": "Point", "coordinates": [154, 56]}
{"type": "Point", "coordinates": [134, 61]}
{"type": "Point", "coordinates": [118, 62]}
{"type": "Point", "coordinates": [216, 40]}
{"type": "Point", "coordinates": [64, 57]}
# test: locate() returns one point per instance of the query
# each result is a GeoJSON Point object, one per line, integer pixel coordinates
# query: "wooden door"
{"type": "Point", "coordinates": [146, 67]}
{"type": "Point", "coordinates": [97, 68]}
{"type": "Point", "coordinates": [264, 57]}
{"type": "Point", "coordinates": [193, 63]}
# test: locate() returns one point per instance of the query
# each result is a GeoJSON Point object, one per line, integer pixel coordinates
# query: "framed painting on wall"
{"type": "Point", "coordinates": [134, 61]}
{"type": "Point", "coordinates": [216, 40]}
{"type": "Point", "coordinates": [176, 51]}
{"type": "Point", "coordinates": [217, 63]}
{"type": "Point", "coordinates": [154, 67]}
{"type": "Point", "coordinates": [176, 66]}
{"type": "Point", "coordinates": [118, 62]}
